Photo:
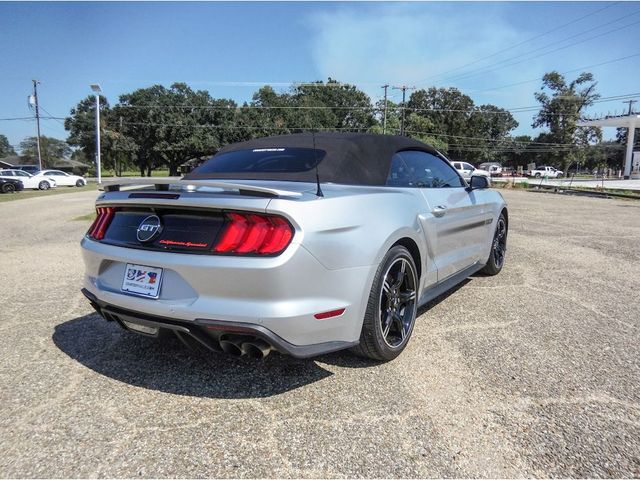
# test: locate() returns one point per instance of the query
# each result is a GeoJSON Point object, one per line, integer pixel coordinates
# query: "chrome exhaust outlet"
{"type": "Point", "coordinates": [232, 344]}
{"type": "Point", "coordinates": [256, 348]}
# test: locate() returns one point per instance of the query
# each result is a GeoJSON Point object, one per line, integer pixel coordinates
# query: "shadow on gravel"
{"type": "Point", "coordinates": [441, 298]}
{"type": "Point", "coordinates": [344, 359]}
{"type": "Point", "coordinates": [168, 366]}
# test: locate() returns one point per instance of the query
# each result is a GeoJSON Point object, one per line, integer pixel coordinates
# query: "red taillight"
{"type": "Point", "coordinates": [233, 235]}
{"type": "Point", "coordinates": [253, 233]}
{"type": "Point", "coordinates": [101, 223]}
{"type": "Point", "coordinates": [281, 234]}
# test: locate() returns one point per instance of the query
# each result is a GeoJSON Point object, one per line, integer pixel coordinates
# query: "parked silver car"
{"type": "Point", "coordinates": [304, 244]}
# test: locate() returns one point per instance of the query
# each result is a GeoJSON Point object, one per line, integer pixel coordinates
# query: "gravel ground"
{"type": "Point", "coordinates": [534, 372]}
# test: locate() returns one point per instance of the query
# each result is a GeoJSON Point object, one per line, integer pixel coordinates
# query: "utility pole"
{"type": "Point", "coordinates": [404, 89]}
{"type": "Point", "coordinates": [117, 152]}
{"type": "Point", "coordinates": [384, 114]}
{"type": "Point", "coordinates": [35, 99]}
{"type": "Point", "coordinates": [630, 102]}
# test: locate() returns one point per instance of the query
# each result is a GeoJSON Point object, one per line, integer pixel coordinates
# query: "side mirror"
{"type": "Point", "coordinates": [478, 182]}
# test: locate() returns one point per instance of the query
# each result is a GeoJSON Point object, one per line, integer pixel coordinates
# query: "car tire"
{"type": "Point", "coordinates": [80, 183]}
{"type": "Point", "coordinates": [498, 248]}
{"type": "Point", "coordinates": [537, 175]}
{"type": "Point", "coordinates": [44, 185]}
{"type": "Point", "coordinates": [8, 188]}
{"type": "Point", "coordinates": [391, 310]}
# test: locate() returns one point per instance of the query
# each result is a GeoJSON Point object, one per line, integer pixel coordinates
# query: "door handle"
{"type": "Point", "coordinates": [439, 211]}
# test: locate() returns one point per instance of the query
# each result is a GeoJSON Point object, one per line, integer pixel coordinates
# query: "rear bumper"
{"type": "Point", "coordinates": [207, 331]}
{"type": "Point", "coordinates": [276, 298]}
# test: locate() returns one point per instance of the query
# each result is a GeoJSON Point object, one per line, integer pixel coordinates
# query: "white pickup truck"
{"type": "Point", "coordinates": [545, 171]}
{"type": "Point", "coordinates": [467, 170]}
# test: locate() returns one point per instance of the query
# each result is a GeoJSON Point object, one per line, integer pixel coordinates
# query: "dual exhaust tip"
{"type": "Point", "coordinates": [240, 345]}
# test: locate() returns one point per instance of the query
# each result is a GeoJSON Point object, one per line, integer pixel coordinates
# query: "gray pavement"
{"type": "Point", "coordinates": [534, 372]}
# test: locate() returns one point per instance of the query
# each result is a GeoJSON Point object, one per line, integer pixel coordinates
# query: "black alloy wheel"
{"type": "Point", "coordinates": [391, 310]}
{"type": "Point", "coordinates": [498, 248]}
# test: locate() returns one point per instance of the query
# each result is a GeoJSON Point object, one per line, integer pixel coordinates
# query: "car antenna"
{"type": "Point", "coordinates": [315, 156]}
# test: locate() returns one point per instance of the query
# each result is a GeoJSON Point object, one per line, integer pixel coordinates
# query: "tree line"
{"type": "Point", "coordinates": [160, 127]}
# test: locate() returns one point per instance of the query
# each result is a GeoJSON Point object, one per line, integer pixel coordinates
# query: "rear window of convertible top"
{"type": "Point", "coordinates": [273, 160]}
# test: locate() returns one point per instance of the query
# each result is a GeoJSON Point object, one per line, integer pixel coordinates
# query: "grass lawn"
{"type": "Point", "coordinates": [8, 197]}
{"type": "Point", "coordinates": [89, 217]}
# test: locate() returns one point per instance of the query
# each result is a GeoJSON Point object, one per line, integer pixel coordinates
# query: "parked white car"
{"type": "Point", "coordinates": [467, 170]}
{"type": "Point", "coordinates": [64, 179]}
{"type": "Point", "coordinates": [36, 182]}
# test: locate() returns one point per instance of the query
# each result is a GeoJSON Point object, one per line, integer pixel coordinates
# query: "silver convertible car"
{"type": "Point", "coordinates": [303, 244]}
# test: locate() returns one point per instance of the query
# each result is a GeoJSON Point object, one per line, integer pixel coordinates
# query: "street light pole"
{"type": "Point", "coordinates": [97, 90]}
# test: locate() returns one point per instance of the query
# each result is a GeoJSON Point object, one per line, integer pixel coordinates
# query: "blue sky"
{"type": "Point", "coordinates": [124, 46]}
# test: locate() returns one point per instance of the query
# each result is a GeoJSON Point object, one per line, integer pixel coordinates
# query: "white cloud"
{"type": "Point", "coordinates": [406, 43]}
{"type": "Point", "coordinates": [415, 44]}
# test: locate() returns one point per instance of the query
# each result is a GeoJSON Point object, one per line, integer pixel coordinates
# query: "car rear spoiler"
{"type": "Point", "coordinates": [164, 183]}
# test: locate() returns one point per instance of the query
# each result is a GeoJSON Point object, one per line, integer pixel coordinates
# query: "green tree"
{"type": "Point", "coordinates": [6, 149]}
{"type": "Point", "coordinates": [268, 113]}
{"type": "Point", "coordinates": [51, 150]}
{"type": "Point", "coordinates": [318, 106]}
{"type": "Point", "coordinates": [117, 151]}
{"type": "Point", "coordinates": [621, 137]}
{"type": "Point", "coordinates": [519, 151]}
{"type": "Point", "coordinates": [562, 105]}
{"type": "Point", "coordinates": [81, 125]}
{"type": "Point", "coordinates": [421, 128]}
{"type": "Point", "coordinates": [472, 132]}
{"type": "Point", "coordinates": [393, 118]}
{"type": "Point", "coordinates": [172, 125]}
{"type": "Point", "coordinates": [331, 106]}
{"type": "Point", "coordinates": [490, 126]}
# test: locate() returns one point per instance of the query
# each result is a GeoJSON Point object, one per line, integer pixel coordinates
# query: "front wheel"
{"type": "Point", "coordinates": [79, 183]}
{"type": "Point", "coordinates": [44, 185]}
{"type": "Point", "coordinates": [391, 310]}
{"type": "Point", "coordinates": [498, 248]}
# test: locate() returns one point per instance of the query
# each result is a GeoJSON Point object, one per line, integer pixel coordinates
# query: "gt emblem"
{"type": "Point", "coordinates": [149, 229]}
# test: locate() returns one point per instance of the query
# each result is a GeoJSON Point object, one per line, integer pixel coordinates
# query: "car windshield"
{"type": "Point", "coordinates": [272, 160]}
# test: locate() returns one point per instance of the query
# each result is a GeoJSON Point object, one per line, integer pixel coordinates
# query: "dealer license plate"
{"type": "Point", "coordinates": [142, 280]}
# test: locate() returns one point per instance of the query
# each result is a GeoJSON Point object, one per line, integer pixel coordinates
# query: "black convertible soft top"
{"type": "Point", "coordinates": [350, 158]}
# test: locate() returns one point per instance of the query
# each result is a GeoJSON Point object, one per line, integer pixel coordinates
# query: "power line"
{"type": "Point", "coordinates": [521, 43]}
{"type": "Point", "coordinates": [355, 107]}
{"type": "Point", "coordinates": [483, 71]}
{"type": "Point", "coordinates": [561, 73]}
{"type": "Point", "coordinates": [51, 117]}
{"type": "Point", "coordinates": [289, 128]}
{"type": "Point", "coordinates": [474, 111]}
